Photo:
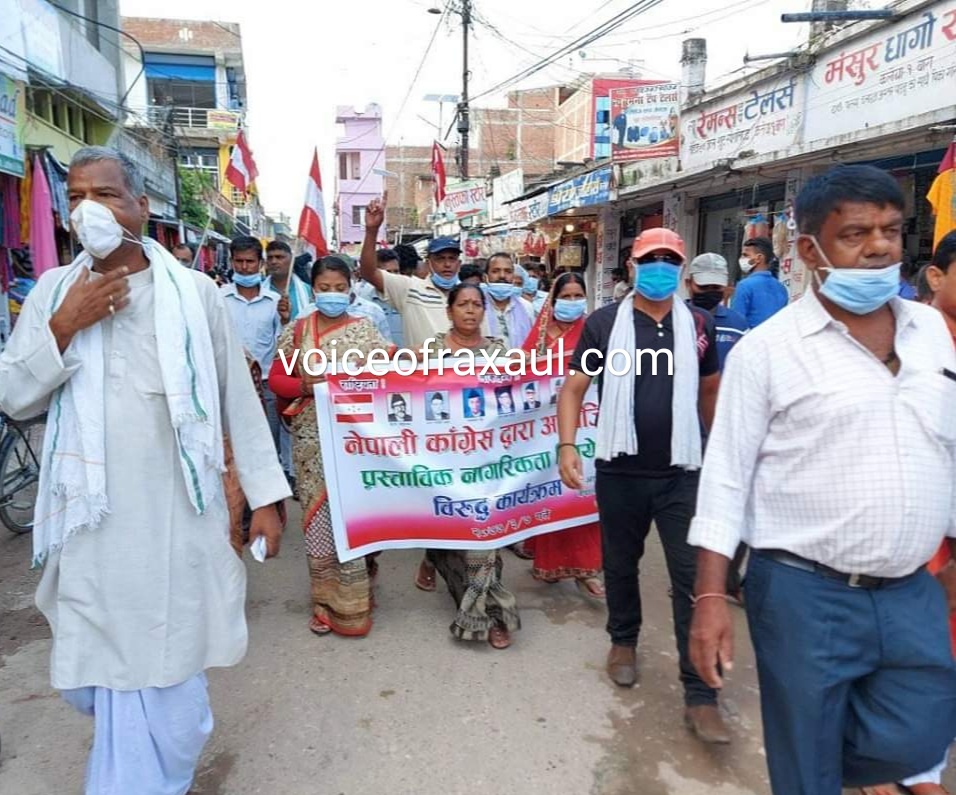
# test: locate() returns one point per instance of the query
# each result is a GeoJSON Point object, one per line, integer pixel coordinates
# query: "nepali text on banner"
{"type": "Point", "coordinates": [448, 461]}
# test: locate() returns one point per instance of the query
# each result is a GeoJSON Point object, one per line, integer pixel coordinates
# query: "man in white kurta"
{"type": "Point", "coordinates": [142, 604]}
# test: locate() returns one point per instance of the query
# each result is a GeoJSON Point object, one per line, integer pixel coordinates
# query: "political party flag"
{"type": "Point", "coordinates": [438, 171]}
{"type": "Point", "coordinates": [942, 195]}
{"type": "Point", "coordinates": [241, 170]}
{"type": "Point", "coordinates": [312, 225]}
{"type": "Point", "coordinates": [354, 408]}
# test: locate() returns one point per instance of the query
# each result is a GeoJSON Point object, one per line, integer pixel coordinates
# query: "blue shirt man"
{"type": "Point", "coordinates": [760, 295]}
{"type": "Point", "coordinates": [707, 277]}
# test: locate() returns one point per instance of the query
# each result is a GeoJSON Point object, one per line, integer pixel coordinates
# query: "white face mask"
{"type": "Point", "coordinates": [745, 265]}
{"type": "Point", "coordinates": [98, 230]}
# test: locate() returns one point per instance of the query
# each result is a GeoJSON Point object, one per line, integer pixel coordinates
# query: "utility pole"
{"type": "Point", "coordinates": [463, 110]}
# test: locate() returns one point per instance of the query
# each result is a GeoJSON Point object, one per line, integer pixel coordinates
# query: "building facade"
{"type": "Point", "coordinates": [360, 163]}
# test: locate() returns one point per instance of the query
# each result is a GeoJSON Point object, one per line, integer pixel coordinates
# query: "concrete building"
{"type": "Point", "coordinates": [411, 192]}
{"type": "Point", "coordinates": [520, 136]}
{"type": "Point", "coordinates": [359, 153]}
{"type": "Point", "coordinates": [190, 83]}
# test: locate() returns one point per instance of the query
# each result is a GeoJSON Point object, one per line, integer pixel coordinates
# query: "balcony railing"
{"type": "Point", "coordinates": [224, 121]}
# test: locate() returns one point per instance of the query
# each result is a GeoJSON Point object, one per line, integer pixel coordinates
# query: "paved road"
{"type": "Point", "coordinates": [408, 709]}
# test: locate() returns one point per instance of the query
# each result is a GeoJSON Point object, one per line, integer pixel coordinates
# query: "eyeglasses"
{"type": "Point", "coordinates": [670, 259]}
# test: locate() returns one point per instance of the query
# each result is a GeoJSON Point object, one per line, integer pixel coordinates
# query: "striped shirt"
{"type": "Point", "coordinates": [817, 449]}
{"type": "Point", "coordinates": [423, 307]}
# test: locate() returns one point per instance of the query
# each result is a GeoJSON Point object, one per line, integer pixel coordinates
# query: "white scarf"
{"type": "Point", "coordinates": [616, 430]}
{"type": "Point", "coordinates": [73, 493]}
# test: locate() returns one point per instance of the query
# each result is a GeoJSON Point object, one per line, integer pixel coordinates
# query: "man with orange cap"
{"type": "Point", "coordinates": [657, 367]}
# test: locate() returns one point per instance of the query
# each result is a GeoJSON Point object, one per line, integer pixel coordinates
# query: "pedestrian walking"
{"type": "Point", "coordinates": [648, 450]}
{"type": "Point", "coordinates": [759, 294]}
{"type": "Point", "coordinates": [832, 457]}
{"type": "Point", "coordinates": [341, 592]}
{"type": "Point", "coordinates": [137, 361]}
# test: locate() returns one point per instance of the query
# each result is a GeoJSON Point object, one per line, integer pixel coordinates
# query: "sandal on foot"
{"type": "Point", "coordinates": [425, 579]}
{"type": "Point", "coordinates": [316, 627]}
{"type": "Point", "coordinates": [499, 637]}
{"type": "Point", "coordinates": [591, 587]}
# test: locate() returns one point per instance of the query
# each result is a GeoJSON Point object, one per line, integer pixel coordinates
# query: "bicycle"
{"type": "Point", "coordinates": [21, 446]}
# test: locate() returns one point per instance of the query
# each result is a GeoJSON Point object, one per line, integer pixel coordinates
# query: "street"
{"type": "Point", "coordinates": [408, 709]}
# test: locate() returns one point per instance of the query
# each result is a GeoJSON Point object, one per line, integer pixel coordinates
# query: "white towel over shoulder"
{"type": "Point", "coordinates": [73, 494]}
{"type": "Point", "coordinates": [616, 431]}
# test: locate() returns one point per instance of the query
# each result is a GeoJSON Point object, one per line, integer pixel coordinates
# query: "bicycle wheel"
{"type": "Point", "coordinates": [20, 473]}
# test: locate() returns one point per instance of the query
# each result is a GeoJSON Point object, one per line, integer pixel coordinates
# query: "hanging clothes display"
{"type": "Point", "coordinates": [10, 209]}
{"type": "Point", "coordinates": [26, 187]}
{"type": "Point", "coordinates": [43, 250]}
{"type": "Point", "coordinates": [56, 177]}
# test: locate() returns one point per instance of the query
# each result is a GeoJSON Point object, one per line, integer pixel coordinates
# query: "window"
{"type": "Point", "coordinates": [358, 215]}
{"type": "Point", "coordinates": [205, 160]}
{"type": "Point", "coordinates": [350, 165]}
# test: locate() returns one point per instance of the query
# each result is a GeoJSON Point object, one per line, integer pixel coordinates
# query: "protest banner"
{"type": "Point", "coordinates": [448, 461]}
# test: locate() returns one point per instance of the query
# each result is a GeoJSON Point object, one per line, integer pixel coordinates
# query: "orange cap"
{"type": "Point", "coordinates": [657, 239]}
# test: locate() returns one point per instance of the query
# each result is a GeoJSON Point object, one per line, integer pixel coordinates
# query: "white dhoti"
{"type": "Point", "coordinates": [145, 741]}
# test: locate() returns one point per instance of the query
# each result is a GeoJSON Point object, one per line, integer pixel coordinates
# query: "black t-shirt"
{"type": "Point", "coordinates": [652, 393]}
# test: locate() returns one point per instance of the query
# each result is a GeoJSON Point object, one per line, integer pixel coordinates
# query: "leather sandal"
{"type": "Point", "coordinates": [499, 637]}
{"type": "Point", "coordinates": [591, 587]}
{"type": "Point", "coordinates": [316, 627]}
{"type": "Point", "coordinates": [425, 579]}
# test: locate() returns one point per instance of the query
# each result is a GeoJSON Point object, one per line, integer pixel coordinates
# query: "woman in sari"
{"type": "Point", "coordinates": [486, 609]}
{"type": "Point", "coordinates": [574, 553]}
{"type": "Point", "coordinates": [341, 592]}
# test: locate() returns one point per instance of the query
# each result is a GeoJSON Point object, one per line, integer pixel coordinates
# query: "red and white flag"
{"type": "Point", "coordinates": [241, 170]}
{"type": "Point", "coordinates": [312, 226]}
{"type": "Point", "coordinates": [353, 408]}
{"type": "Point", "coordinates": [438, 171]}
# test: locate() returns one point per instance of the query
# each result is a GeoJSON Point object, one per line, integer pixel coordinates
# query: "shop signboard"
{"type": "Point", "coordinates": [12, 120]}
{"type": "Point", "coordinates": [765, 118]}
{"type": "Point", "coordinates": [526, 212]}
{"type": "Point", "coordinates": [224, 120]}
{"type": "Point", "coordinates": [466, 199]}
{"type": "Point", "coordinates": [893, 75]}
{"type": "Point", "coordinates": [585, 190]}
{"type": "Point", "coordinates": [506, 188]}
{"type": "Point", "coordinates": [645, 122]}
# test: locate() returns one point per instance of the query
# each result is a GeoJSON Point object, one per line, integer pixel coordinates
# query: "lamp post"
{"type": "Point", "coordinates": [464, 123]}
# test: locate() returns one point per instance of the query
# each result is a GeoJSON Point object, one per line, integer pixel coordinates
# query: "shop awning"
{"type": "Point", "coordinates": [190, 68]}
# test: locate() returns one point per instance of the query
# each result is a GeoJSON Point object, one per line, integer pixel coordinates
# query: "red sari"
{"type": "Point", "coordinates": [573, 553]}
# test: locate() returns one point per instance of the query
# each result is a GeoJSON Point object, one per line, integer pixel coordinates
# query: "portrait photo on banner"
{"type": "Point", "coordinates": [473, 400]}
{"type": "Point", "coordinates": [504, 399]}
{"type": "Point", "coordinates": [399, 408]}
{"type": "Point", "coordinates": [436, 408]}
{"type": "Point", "coordinates": [531, 401]}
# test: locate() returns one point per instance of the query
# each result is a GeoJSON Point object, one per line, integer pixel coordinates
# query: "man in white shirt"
{"type": "Point", "coordinates": [509, 316]}
{"type": "Point", "coordinates": [254, 309]}
{"type": "Point", "coordinates": [833, 449]}
{"type": "Point", "coordinates": [136, 359]}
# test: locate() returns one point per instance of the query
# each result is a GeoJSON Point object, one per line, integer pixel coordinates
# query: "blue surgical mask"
{"type": "Point", "coordinates": [501, 291]}
{"type": "Point", "coordinates": [332, 304]}
{"type": "Point", "coordinates": [857, 290]}
{"type": "Point", "coordinates": [657, 281]}
{"type": "Point", "coordinates": [247, 279]}
{"type": "Point", "coordinates": [445, 283]}
{"type": "Point", "coordinates": [567, 310]}
{"type": "Point", "coordinates": [530, 285]}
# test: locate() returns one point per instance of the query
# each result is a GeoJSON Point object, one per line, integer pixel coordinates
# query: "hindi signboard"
{"type": "Point", "coordinates": [466, 199]}
{"type": "Point", "coordinates": [12, 121]}
{"type": "Point", "coordinates": [448, 460]}
{"type": "Point", "coordinates": [645, 122]}
{"type": "Point", "coordinates": [527, 211]}
{"type": "Point", "coordinates": [892, 75]}
{"type": "Point", "coordinates": [585, 190]}
{"type": "Point", "coordinates": [764, 119]}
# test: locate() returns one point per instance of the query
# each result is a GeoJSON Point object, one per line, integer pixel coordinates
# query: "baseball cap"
{"type": "Point", "coordinates": [656, 239]}
{"type": "Point", "coordinates": [440, 244]}
{"type": "Point", "coordinates": [709, 268]}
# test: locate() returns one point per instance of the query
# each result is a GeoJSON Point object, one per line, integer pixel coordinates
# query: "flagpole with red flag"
{"type": "Point", "coordinates": [438, 171]}
{"type": "Point", "coordinates": [241, 171]}
{"type": "Point", "coordinates": [312, 224]}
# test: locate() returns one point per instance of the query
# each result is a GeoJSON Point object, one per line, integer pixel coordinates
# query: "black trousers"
{"type": "Point", "coordinates": [627, 505]}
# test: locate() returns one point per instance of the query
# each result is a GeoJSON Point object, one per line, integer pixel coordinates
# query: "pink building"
{"type": "Point", "coordinates": [360, 151]}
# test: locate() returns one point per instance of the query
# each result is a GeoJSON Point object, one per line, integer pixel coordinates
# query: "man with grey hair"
{"type": "Point", "coordinates": [135, 358]}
